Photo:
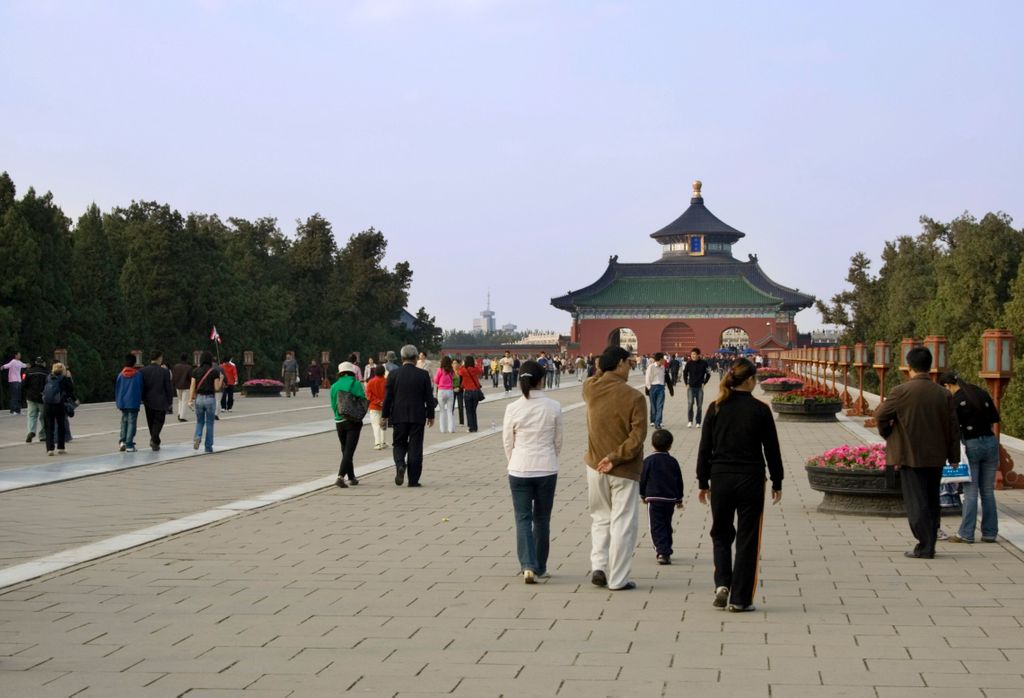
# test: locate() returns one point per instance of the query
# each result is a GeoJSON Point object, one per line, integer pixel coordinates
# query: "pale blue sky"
{"type": "Point", "coordinates": [515, 145]}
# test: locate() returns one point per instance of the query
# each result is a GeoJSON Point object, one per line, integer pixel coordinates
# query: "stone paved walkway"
{"type": "Point", "coordinates": [387, 591]}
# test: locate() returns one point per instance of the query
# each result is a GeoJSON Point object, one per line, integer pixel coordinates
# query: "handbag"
{"type": "Point", "coordinates": [352, 407]}
{"type": "Point", "coordinates": [69, 407]}
{"type": "Point", "coordinates": [956, 473]}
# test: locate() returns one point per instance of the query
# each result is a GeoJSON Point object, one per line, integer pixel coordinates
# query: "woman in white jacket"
{"type": "Point", "coordinates": [532, 436]}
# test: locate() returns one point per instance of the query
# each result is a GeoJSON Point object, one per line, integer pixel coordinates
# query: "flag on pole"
{"type": "Point", "coordinates": [214, 335]}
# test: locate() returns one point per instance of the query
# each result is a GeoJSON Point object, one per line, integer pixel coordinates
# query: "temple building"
{"type": "Point", "coordinates": [696, 295]}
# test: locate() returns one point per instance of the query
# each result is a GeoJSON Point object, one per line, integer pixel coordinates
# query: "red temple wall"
{"type": "Point", "coordinates": [593, 334]}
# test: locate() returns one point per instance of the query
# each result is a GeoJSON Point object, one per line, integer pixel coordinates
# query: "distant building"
{"type": "Point", "coordinates": [508, 327]}
{"type": "Point", "coordinates": [824, 338]}
{"type": "Point", "coordinates": [485, 323]}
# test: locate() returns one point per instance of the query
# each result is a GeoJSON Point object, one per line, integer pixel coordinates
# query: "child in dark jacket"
{"type": "Point", "coordinates": [661, 488]}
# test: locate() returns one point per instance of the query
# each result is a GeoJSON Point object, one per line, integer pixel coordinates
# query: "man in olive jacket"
{"type": "Point", "coordinates": [616, 430]}
{"type": "Point", "coordinates": [919, 424]}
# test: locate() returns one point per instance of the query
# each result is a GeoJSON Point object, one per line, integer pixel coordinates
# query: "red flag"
{"type": "Point", "coordinates": [214, 335]}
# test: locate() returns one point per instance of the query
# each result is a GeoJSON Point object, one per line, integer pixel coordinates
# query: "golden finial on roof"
{"type": "Point", "coordinates": [696, 188]}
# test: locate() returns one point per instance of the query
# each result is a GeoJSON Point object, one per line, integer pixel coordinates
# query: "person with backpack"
{"type": "Point", "coordinates": [349, 403]}
{"type": "Point", "coordinates": [59, 389]}
{"type": "Point", "coordinates": [206, 381]}
{"type": "Point", "coordinates": [128, 398]}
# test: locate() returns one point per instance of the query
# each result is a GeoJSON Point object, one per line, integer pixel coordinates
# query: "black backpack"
{"type": "Point", "coordinates": [53, 390]}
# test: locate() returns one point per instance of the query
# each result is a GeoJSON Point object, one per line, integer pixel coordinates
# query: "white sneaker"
{"type": "Point", "coordinates": [49, 453]}
{"type": "Point", "coordinates": [689, 424]}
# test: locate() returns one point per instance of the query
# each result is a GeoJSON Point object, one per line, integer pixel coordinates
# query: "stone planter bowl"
{"type": "Point", "coordinates": [807, 411]}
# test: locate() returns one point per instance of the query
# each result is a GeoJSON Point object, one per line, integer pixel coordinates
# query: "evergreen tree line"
{"type": "Point", "coordinates": [955, 279]}
{"type": "Point", "coordinates": [145, 276]}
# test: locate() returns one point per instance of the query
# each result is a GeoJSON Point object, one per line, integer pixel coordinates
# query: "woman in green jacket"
{"type": "Point", "coordinates": [348, 431]}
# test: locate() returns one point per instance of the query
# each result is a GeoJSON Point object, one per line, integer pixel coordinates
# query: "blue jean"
{"type": "Point", "coordinates": [15, 388]}
{"type": "Point", "coordinates": [657, 404]}
{"type": "Point", "coordinates": [532, 501]}
{"type": "Point", "coordinates": [694, 395]}
{"type": "Point", "coordinates": [206, 407]}
{"type": "Point", "coordinates": [983, 456]}
{"type": "Point", "coordinates": [129, 423]}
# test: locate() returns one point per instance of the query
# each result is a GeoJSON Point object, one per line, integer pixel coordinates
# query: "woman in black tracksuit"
{"type": "Point", "coordinates": [737, 439]}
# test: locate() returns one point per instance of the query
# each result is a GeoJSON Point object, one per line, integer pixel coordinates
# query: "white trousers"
{"type": "Point", "coordinates": [378, 433]}
{"type": "Point", "coordinates": [614, 515]}
{"type": "Point", "coordinates": [446, 411]}
{"type": "Point", "coordinates": [182, 402]}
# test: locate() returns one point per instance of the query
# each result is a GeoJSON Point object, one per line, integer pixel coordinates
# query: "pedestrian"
{"type": "Point", "coordinates": [348, 429]}
{"type": "Point", "coordinates": [181, 377]}
{"type": "Point", "coordinates": [614, 463]}
{"type": "Point", "coordinates": [230, 371]}
{"type": "Point", "coordinates": [737, 441]}
{"type": "Point", "coordinates": [375, 394]}
{"type": "Point", "coordinates": [369, 371]}
{"type": "Point", "coordinates": [443, 379]}
{"type": "Point", "coordinates": [977, 414]}
{"type": "Point", "coordinates": [457, 390]}
{"type": "Point", "coordinates": [423, 362]}
{"type": "Point", "coordinates": [472, 395]}
{"type": "Point", "coordinates": [57, 394]}
{"type": "Point", "coordinates": [128, 398]}
{"type": "Point", "coordinates": [157, 396]}
{"type": "Point", "coordinates": [654, 383]}
{"type": "Point", "coordinates": [495, 371]}
{"type": "Point", "coordinates": [408, 403]}
{"type": "Point", "coordinates": [661, 489]}
{"type": "Point", "coordinates": [33, 384]}
{"type": "Point", "coordinates": [206, 381]}
{"type": "Point", "coordinates": [14, 368]}
{"type": "Point", "coordinates": [532, 437]}
{"type": "Point", "coordinates": [557, 361]}
{"type": "Point", "coordinates": [314, 376]}
{"type": "Point", "coordinates": [581, 369]}
{"type": "Point", "coordinates": [353, 359]}
{"type": "Point", "coordinates": [506, 371]}
{"type": "Point", "coordinates": [290, 374]}
{"type": "Point", "coordinates": [390, 363]}
{"type": "Point", "coordinates": [696, 374]}
{"type": "Point", "coordinates": [919, 424]}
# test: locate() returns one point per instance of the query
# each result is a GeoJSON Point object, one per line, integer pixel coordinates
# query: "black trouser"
{"type": "Point", "coordinates": [155, 422]}
{"type": "Point", "coordinates": [660, 515]}
{"type": "Point", "coordinates": [737, 508]}
{"type": "Point", "coordinates": [921, 498]}
{"type": "Point", "coordinates": [227, 398]}
{"type": "Point", "coordinates": [54, 417]}
{"type": "Point", "coordinates": [407, 449]}
{"type": "Point", "coordinates": [348, 436]}
{"type": "Point", "coordinates": [459, 403]}
{"type": "Point", "coordinates": [509, 383]}
{"type": "Point", "coordinates": [472, 401]}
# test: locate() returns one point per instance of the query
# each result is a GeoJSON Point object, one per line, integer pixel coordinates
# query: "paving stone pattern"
{"type": "Point", "coordinates": [380, 590]}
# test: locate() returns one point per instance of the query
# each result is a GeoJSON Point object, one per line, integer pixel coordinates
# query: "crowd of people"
{"type": "Point", "coordinates": [924, 424]}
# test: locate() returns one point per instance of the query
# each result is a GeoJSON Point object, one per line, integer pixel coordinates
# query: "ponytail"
{"type": "Point", "coordinates": [740, 371]}
{"type": "Point", "coordinates": [531, 375]}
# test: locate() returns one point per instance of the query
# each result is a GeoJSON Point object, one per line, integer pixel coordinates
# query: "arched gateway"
{"type": "Point", "coordinates": [689, 297]}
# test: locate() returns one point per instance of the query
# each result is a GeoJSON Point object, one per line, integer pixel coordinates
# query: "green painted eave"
{"type": "Point", "coordinates": [694, 292]}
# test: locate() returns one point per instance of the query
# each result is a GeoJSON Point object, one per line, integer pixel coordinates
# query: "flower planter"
{"type": "Point", "coordinates": [780, 387]}
{"type": "Point", "coordinates": [262, 391]}
{"type": "Point", "coordinates": [862, 492]}
{"type": "Point", "coordinates": [806, 411]}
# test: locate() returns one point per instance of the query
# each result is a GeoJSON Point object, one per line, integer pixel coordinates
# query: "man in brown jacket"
{"type": "Point", "coordinates": [616, 430]}
{"type": "Point", "coordinates": [921, 434]}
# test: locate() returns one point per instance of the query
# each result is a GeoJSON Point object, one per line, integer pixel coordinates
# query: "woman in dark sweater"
{"type": "Point", "coordinates": [737, 439]}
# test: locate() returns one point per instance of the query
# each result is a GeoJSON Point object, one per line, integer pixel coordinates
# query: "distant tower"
{"type": "Point", "coordinates": [488, 316]}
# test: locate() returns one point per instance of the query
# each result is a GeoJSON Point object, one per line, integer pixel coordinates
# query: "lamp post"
{"type": "Point", "coordinates": [830, 359]}
{"type": "Point", "coordinates": [845, 355]}
{"type": "Point", "coordinates": [997, 370]}
{"type": "Point", "coordinates": [196, 355]}
{"type": "Point", "coordinates": [137, 353]}
{"type": "Point", "coordinates": [906, 344]}
{"type": "Point", "coordinates": [247, 359]}
{"type": "Point", "coordinates": [61, 355]}
{"type": "Point", "coordinates": [325, 361]}
{"type": "Point", "coordinates": [937, 345]}
{"type": "Point", "coordinates": [860, 360]}
{"type": "Point", "coordinates": [883, 357]}
{"type": "Point", "coordinates": [816, 363]}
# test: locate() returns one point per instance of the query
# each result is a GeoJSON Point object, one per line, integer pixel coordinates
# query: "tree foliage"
{"type": "Point", "coordinates": [954, 279]}
{"type": "Point", "coordinates": [145, 276]}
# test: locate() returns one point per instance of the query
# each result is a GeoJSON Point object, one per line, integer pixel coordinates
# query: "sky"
{"type": "Point", "coordinates": [512, 146]}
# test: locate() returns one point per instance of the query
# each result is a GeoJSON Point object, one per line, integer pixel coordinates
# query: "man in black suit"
{"type": "Point", "coordinates": [157, 396]}
{"type": "Point", "coordinates": [408, 404]}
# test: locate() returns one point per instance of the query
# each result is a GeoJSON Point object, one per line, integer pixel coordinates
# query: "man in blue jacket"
{"type": "Point", "coordinates": [128, 397]}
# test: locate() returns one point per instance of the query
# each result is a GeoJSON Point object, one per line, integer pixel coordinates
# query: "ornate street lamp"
{"type": "Point", "coordinates": [906, 344]}
{"type": "Point", "coordinates": [845, 356]}
{"type": "Point", "coordinates": [937, 345]}
{"type": "Point", "coordinates": [61, 355]}
{"type": "Point", "coordinates": [997, 370]}
{"type": "Point", "coordinates": [883, 357]}
{"type": "Point", "coordinates": [248, 361]}
{"type": "Point", "coordinates": [196, 355]}
{"type": "Point", "coordinates": [860, 360]}
{"type": "Point", "coordinates": [325, 361]}
{"type": "Point", "coordinates": [137, 353]}
{"type": "Point", "coordinates": [830, 360]}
